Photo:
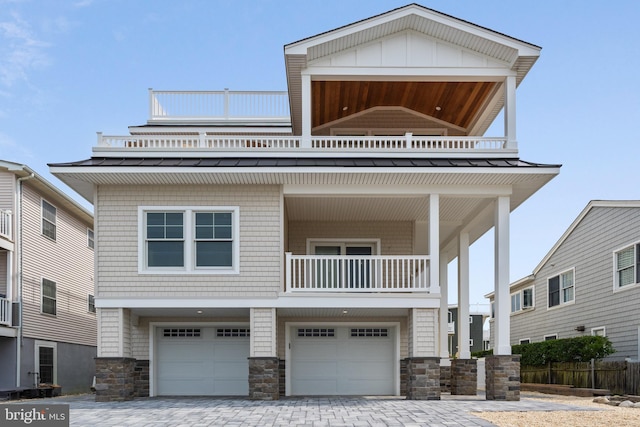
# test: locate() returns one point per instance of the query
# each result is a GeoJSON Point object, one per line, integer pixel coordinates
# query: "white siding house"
{"type": "Point", "coordinates": [293, 235]}
{"type": "Point", "coordinates": [588, 283]}
{"type": "Point", "coordinates": [47, 313]}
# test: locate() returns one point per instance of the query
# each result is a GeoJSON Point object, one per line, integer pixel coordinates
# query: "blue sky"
{"type": "Point", "coordinates": [70, 68]}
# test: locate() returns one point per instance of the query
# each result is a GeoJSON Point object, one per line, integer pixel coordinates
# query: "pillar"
{"type": "Point", "coordinates": [115, 379]}
{"type": "Point", "coordinates": [510, 111]}
{"type": "Point", "coordinates": [503, 377]}
{"type": "Point", "coordinates": [423, 366]}
{"type": "Point", "coordinates": [501, 323]}
{"type": "Point", "coordinates": [464, 377]}
{"type": "Point", "coordinates": [264, 365]}
{"type": "Point", "coordinates": [464, 351]}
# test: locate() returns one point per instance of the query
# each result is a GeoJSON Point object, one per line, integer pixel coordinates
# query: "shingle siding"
{"type": "Point", "coordinates": [590, 250]}
{"type": "Point", "coordinates": [68, 262]}
{"type": "Point", "coordinates": [7, 190]}
{"type": "Point", "coordinates": [263, 332]}
{"type": "Point", "coordinates": [260, 242]}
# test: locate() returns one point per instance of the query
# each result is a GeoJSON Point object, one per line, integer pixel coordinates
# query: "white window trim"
{"type": "Point", "coordinates": [88, 304]}
{"type": "Point", "coordinates": [533, 305]}
{"type": "Point", "coordinates": [36, 358]}
{"type": "Point", "coordinates": [91, 239]}
{"type": "Point", "coordinates": [616, 286]}
{"type": "Point", "coordinates": [555, 337]}
{"type": "Point", "coordinates": [470, 342]}
{"type": "Point", "coordinates": [42, 279]}
{"type": "Point", "coordinates": [599, 328]}
{"type": "Point", "coordinates": [312, 243]}
{"type": "Point", "coordinates": [42, 218]}
{"type": "Point", "coordinates": [562, 304]}
{"type": "Point", "coordinates": [189, 239]}
{"type": "Point", "coordinates": [528, 341]}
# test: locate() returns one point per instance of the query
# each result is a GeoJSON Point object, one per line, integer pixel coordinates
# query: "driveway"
{"type": "Point", "coordinates": [316, 411]}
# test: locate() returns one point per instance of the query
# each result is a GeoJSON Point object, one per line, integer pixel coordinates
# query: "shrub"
{"type": "Point", "coordinates": [579, 349]}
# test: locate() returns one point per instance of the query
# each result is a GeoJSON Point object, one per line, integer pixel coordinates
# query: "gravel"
{"type": "Point", "coordinates": [606, 416]}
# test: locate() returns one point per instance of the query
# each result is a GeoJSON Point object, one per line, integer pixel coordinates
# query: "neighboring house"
{"type": "Point", "coordinates": [588, 283]}
{"type": "Point", "coordinates": [477, 318]}
{"type": "Point", "coordinates": [310, 230]}
{"type": "Point", "coordinates": [47, 311]}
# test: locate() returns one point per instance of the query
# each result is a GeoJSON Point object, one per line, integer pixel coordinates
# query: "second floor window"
{"type": "Point", "coordinates": [49, 297]}
{"type": "Point", "coordinates": [189, 240]}
{"type": "Point", "coordinates": [90, 238]}
{"type": "Point", "coordinates": [48, 220]}
{"type": "Point", "coordinates": [561, 289]}
{"type": "Point", "coordinates": [91, 304]}
{"type": "Point", "coordinates": [628, 266]}
{"type": "Point", "coordinates": [522, 300]}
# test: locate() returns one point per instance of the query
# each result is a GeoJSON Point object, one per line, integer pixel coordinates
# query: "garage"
{"type": "Point", "coordinates": [343, 360]}
{"type": "Point", "coordinates": [202, 361]}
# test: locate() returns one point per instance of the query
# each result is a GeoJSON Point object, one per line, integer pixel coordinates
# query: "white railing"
{"type": "Point", "coordinates": [361, 144]}
{"type": "Point", "coordinates": [378, 273]}
{"type": "Point", "coordinates": [5, 312]}
{"type": "Point", "coordinates": [224, 105]}
{"type": "Point", "coordinates": [6, 221]}
{"type": "Point", "coordinates": [451, 328]}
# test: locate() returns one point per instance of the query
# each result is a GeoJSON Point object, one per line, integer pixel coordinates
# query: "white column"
{"type": "Point", "coordinates": [263, 324]}
{"type": "Point", "coordinates": [464, 351]}
{"type": "Point", "coordinates": [444, 311]}
{"type": "Point", "coordinates": [510, 112]}
{"type": "Point", "coordinates": [502, 341]}
{"type": "Point", "coordinates": [434, 243]}
{"type": "Point", "coordinates": [306, 111]}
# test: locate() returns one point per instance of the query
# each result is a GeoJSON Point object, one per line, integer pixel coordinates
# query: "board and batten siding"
{"type": "Point", "coordinates": [260, 242]}
{"type": "Point", "coordinates": [7, 191]}
{"type": "Point", "coordinates": [589, 249]}
{"type": "Point", "coordinates": [68, 262]}
{"type": "Point", "coordinates": [396, 238]}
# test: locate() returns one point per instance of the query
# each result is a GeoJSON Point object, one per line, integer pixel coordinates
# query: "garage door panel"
{"type": "Point", "coordinates": [203, 364]}
{"type": "Point", "coordinates": [349, 362]}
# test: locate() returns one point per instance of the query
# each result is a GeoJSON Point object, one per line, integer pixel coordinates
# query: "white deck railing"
{"type": "Point", "coordinates": [451, 328]}
{"type": "Point", "coordinates": [336, 144]}
{"type": "Point", "coordinates": [5, 312]}
{"type": "Point", "coordinates": [326, 273]}
{"type": "Point", "coordinates": [5, 224]}
{"type": "Point", "coordinates": [224, 105]}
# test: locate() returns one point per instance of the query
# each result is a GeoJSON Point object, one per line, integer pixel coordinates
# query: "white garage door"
{"type": "Point", "coordinates": [342, 361]}
{"type": "Point", "coordinates": [202, 361]}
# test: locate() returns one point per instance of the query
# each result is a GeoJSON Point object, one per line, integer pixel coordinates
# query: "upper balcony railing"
{"type": "Point", "coordinates": [167, 105]}
{"type": "Point", "coordinates": [5, 224]}
{"type": "Point", "coordinates": [5, 312]}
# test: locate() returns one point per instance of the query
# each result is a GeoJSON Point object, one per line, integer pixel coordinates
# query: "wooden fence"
{"type": "Point", "coordinates": [617, 377]}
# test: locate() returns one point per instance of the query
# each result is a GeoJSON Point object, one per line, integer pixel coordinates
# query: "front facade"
{"type": "Point", "coordinates": [588, 283]}
{"type": "Point", "coordinates": [296, 243]}
{"type": "Point", "coordinates": [47, 311]}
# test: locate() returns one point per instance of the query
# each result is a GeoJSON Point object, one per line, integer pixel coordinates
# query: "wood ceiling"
{"type": "Point", "coordinates": [457, 103]}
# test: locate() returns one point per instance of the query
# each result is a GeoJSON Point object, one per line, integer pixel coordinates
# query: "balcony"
{"type": "Point", "coordinates": [451, 328]}
{"type": "Point", "coordinates": [6, 231]}
{"type": "Point", "coordinates": [357, 274]}
{"type": "Point", "coordinates": [5, 312]}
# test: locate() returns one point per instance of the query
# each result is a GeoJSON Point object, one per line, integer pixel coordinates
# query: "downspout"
{"type": "Point", "coordinates": [19, 273]}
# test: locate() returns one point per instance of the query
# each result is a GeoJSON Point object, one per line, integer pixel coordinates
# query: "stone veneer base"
{"type": "Point", "coordinates": [464, 377]}
{"type": "Point", "coordinates": [423, 378]}
{"type": "Point", "coordinates": [264, 378]}
{"type": "Point", "coordinates": [115, 379]}
{"type": "Point", "coordinates": [503, 377]}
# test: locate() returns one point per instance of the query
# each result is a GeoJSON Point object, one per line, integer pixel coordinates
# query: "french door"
{"type": "Point", "coordinates": [343, 266]}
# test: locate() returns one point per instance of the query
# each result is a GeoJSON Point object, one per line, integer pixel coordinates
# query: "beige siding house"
{"type": "Point", "coordinates": [296, 243]}
{"type": "Point", "coordinates": [588, 283]}
{"type": "Point", "coordinates": [47, 312]}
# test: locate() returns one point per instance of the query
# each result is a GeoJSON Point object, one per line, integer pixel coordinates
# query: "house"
{"type": "Point", "coordinates": [47, 311]}
{"type": "Point", "coordinates": [588, 283]}
{"type": "Point", "coordinates": [477, 317]}
{"type": "Point", "coordinates": [297, 243]}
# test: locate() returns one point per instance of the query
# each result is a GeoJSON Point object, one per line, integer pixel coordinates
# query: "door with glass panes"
{"type": "Point", "coordinates": [343, 265]}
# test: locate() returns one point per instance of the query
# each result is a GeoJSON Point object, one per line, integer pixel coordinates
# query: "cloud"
{"type": "Point", "coordinates": [8, 145]}
{"type": "Point", "coordinates": [20, 50]}
{"type": "Point", "coordinates": [83, 3]}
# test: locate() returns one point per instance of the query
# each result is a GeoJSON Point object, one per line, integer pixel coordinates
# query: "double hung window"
{"type": "Point", "coordinates": [561, 289]}
{"type": "Point", "coordinates": [49, 299]}
{"type": "Point", "coordinates": [49, 220]}
{"type": "Point", "coordinates": [522, 300]}
{"type": "Point", "coordinates": [627, 266]}
{"type": "Point", "coordinates": [190, 240]}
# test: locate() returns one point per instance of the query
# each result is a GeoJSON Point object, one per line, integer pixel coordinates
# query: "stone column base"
{"type": "Point", "coordinates": [503, 377]}
{"type": "Point", "coordinates": [464, 377]}
{"type": "Point", "coordinates": [115, 379]}
{"type": "Point", "coordinates": [264, 378]}
{"type": "Point", "coordinates": [445, 379]}
{"type": "Point", "coordinates": [423, 378]}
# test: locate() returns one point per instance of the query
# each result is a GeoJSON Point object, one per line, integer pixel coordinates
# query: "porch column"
{"type": "Point", "coordinates": [510, 111]}
{"type": "Point", "coordinates": [264, 374]}
{"type": "Point", "coordinates": [444, 311]}
{"type": "Point", "coordinates": [463, 297]}
{"type": "Point", "coordinates": [502, 369]}
{"type": "Point", "coordinates": [434, 243]}
{"type": "Point", "coordinates": [423, 368]}
{"type": "Point", "coordinates": [502, 341]}
{"type": "Point", "coordinates": [306, 111]}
